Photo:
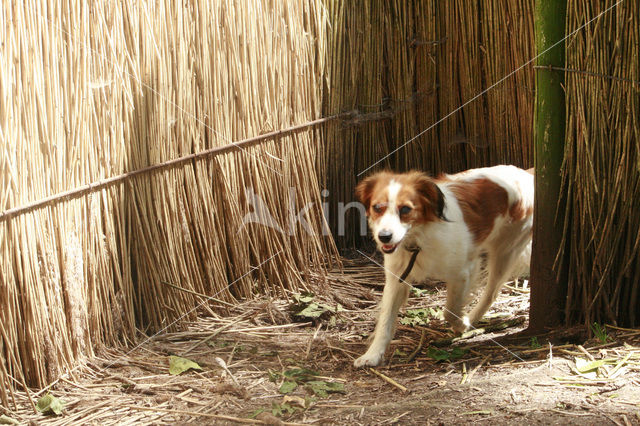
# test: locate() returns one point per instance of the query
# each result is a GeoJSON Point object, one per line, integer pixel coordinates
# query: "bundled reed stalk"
{"type": "Point", "coordinates": [405, 65]}
{"type": "Point", "coordinates": [601, 170]}
{"type": "Point", "coordinates": [93, 90]}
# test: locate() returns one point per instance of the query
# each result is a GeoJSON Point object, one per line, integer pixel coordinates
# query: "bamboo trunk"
{"type": "Point", "coordinates": [548, 287]}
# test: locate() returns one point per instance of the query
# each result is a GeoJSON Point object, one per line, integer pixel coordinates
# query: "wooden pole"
{"type": "Point", "coordinates": [548, 288]}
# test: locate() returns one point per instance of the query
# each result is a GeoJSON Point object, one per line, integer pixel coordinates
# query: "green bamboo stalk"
{"type": "Point", "coordinates": [548, 289]}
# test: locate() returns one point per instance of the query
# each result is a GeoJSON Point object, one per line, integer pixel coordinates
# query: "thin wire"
{"type": "Point", "coordinates": [488, 88]}
{"type": "Point", "coordinates": [410, 286]}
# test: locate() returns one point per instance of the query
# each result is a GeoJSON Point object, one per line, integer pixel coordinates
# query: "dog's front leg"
{"type": "Point", "coordinates": [393, 297]}
{"type": "Point", "coordinates": [457, 292]}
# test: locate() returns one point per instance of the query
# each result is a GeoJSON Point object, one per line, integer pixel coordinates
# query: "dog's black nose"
{"type": "Point", "coordinates": [384, 236]}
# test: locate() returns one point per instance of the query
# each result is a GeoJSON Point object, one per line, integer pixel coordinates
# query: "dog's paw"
{"type": "Point", "coordinates": [369, 360]}
{"type": "Point", "coordinates": [460, 325]}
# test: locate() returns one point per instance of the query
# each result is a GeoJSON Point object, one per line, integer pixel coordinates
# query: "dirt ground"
{"type": "Point", "coordinates": [291, 362]}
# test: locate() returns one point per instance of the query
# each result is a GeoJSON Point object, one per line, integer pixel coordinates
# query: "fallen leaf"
{"type": "Point", "coordinates": [178, 365]}
{"type": "Point", "coordinates": [49, 404]}
{"type": "Point", "coordinates": [4, 420]}
{"type": "Point", "coordinates": [305, 306]}
{"type": "Point", "coordinates": [287, 387]}
{"type": "Point", "coordinates": [304, 297]}
{"type": "Point", "coordinates": [442, 355]}
{"type": "Point", "coordinates": [419, 292]}
{"type": "Point", "coordinates": [255, 413]}
{"type": "Point", "coordinates": [583, 366]}
{"type": "Point", "coordinates": [295, 400]}
{"type": "Point", "coordinates": [313, 310]}
{"type": "Point", "coordinates": [300, 374]}
{"type": "Point", "coordinates": [323, 389]}
{"type": "Point", "coordinates": [421, 316]}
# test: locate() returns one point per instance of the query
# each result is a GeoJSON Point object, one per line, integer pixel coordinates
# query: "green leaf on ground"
{"type": "Point", "coordinates": [178, 365]}
{"type": "Point", "coordinates": [305, 306]}
{"type": "Point", "coordinates": [303, 298]}
{"type": "Point", "coordinates": [323, 389]}
{"type": "Point", "coordinates": [444, 355]}
{"type": "Point", "coordinates": [50, 404]}
{"type": "Point", "coordinates": [313, 310]}
{"type": "Point", "coordinates": [287, 387]}
{"type": "Point", "coordinates": [421, 316]}
{"type": "Point", "coordinates": [300, 374]}
{"type": "Point", "coordinates": [399, 352]}
{"type": "Point", "coordinates": [273, 375]}
{"type": "Point", "coordinates": [294, 377]}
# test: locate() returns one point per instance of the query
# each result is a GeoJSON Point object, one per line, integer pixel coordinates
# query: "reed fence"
{"type": "Point", "coordinates": [601, 171]}
{"type": "Point", "coordinates": [404, 67]}
{"type": "Point", "coordinates": [93, 90]}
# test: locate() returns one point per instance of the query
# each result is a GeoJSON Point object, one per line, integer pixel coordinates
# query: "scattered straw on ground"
{"type": "Point", "coordinates": [262, 348]}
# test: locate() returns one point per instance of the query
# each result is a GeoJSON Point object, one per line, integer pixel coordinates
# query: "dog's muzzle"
{"type": "Point", "coordinates": [385, 236]}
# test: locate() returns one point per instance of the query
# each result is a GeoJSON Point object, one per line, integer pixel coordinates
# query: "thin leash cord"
{"type": "Point", "coordinates": [412, 261]}
{"type": "Point", "coordinates": [483, 92]}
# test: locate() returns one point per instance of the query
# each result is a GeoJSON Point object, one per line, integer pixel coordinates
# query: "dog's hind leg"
{"type": "Point", "coordinates": [501, 265]}
{"type": "Point", "coordinates": [393, 297]}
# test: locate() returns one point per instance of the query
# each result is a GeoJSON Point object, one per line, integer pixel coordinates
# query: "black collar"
{"type": "Point", "coordinates": [412, 261]}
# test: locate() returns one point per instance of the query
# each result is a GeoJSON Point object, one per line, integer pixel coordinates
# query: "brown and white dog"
{"type": "Point", "coordinates": [453, 221]}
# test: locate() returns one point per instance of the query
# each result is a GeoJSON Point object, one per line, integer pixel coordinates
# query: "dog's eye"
{"type": "Point", "coordinates": [404, 210]}
{"type": "Point", "coordinates": [378, 208]}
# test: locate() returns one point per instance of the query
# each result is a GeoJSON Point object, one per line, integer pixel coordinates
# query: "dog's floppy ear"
{"type": "Point", "coordinates": [364, 190]}
{"type": "Point", "coordinates": [431, 191]}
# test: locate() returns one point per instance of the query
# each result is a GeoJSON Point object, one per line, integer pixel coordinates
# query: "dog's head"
{"type": "Point", "coordinates": [396, 202]}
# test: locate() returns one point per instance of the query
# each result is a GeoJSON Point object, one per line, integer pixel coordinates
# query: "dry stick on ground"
{"type": "Point", "coordinates": [214, 334]}
{"type": "Point", "coordinates": [619, 365]}
{"type": "Point", "coordinates": [480, 330]}
{"type": "Point", "coordinates": [315, 335]}
{"type": "Point", "coordinates": [223, 364]}
{"type": "Point", "coordinates": [388, 380]}
{"type": "Point", "coordinates": [584, 351]}
{"type": "Point", "coordinates": [485, 359]}
{"type": "Point", "coordinates": [419, 348]}
{"type": "Point", "coordinates": [464, 373]}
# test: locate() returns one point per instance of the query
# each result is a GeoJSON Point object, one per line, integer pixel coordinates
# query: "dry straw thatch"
{"type": "Point", "coordinates": [94, 90]}
{"type": "Point", "coordinates": [602, 164]}
{"type": "Point", "coordinates": [404, 65]}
